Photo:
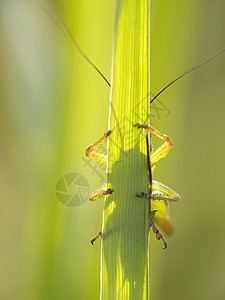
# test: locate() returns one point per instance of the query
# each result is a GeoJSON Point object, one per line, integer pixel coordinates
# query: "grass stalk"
{"type": "Point", "coordinates": [125, 242]}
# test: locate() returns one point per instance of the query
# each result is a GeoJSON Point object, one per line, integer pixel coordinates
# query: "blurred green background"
{"type": "Point", "coordinates": [53, 105]}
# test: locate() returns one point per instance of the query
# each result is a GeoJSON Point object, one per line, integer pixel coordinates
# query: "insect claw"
{"type": "Point", "coordinates": [142, 195]}
{"type": "Point", "coordinates": [165, 244]}
{"type": "Point", "coordinates": [95, 238]}
{"type": "Point", "coordinates": [109, 191]}
{"type": "Point", "coordinates": [138, 125]}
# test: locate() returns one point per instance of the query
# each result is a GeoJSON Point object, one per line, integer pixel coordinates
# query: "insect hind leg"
{"type": "Point", "coordinates": [158, 234]}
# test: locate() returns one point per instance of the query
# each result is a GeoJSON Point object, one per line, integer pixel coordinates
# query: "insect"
{"type": "Point", "coordinates": [157, 190]}
{"type": "Point", "coordinates": [159, 194]}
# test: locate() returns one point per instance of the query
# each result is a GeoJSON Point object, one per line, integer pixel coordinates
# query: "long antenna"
{"type": "Point", "coordinates": [62, 26]}
{"type": "Point", "coordinates": [189, 71]}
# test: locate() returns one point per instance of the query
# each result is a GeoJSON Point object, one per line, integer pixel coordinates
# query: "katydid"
{"type": "Point", "coordinates": [159, 194]}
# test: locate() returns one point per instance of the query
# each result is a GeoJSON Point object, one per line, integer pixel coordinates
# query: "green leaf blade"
{"type": "Point", "coordinates": [126, 218]}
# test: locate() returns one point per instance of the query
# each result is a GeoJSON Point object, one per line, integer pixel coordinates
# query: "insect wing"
{"type": "Point", "coordinates": [161, 217]}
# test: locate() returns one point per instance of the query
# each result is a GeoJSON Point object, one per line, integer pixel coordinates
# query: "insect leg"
{"type": "Point", "coordinates": [95, 238]}
{"type": "Point", "coordinates": [169, 194]}
{"type": "Point", "coordinates": [163, 149]}
{"type": "Point", "coordinates": [164, 193]}
{"type": "Point", "coordinates": [90, 151]}
{"type": "Point", "coordinates": [100, 193]}
{"type": "Point", "coordinates": [158, 234]}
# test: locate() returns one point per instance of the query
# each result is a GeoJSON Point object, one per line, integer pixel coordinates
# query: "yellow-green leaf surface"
{"type": "Point", "coordinates": [124, 269]}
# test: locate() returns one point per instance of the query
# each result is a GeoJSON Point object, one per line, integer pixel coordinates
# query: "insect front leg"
{"type": "Point", "coordinates": [163, 149]}
{"type": "Point", "coordinates": [90, 151]}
